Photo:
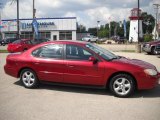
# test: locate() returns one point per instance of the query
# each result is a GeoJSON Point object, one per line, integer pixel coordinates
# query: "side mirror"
{"type": "Point", "coordinates": [93, 59]}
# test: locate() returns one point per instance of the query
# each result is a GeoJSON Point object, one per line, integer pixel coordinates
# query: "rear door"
{"type": "Point", "coordinates": [49, 63]}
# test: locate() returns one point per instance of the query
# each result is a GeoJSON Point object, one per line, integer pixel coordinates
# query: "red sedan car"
{"type": "Point", "coordinates": [20, 45]}
{"type": "Point", "coordinates": [81, 63]}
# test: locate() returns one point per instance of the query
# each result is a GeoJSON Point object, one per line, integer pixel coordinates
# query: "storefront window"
{"type": "Point", "coordinates": [45, 35]}
{"type": "Point", "coordinates": [10, 35]}
{"type": "Point", "coordinates": [29, 35]}
{"type": "Point", "coordinates": [66, 35]}
{"type": "Point", "coordinates": [26, 35]}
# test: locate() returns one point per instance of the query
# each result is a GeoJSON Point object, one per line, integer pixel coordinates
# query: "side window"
{"type": "Point", "coordinates": [49, 51]}
{"type": "Point", "coordinates": [27, 42]}
{"type": "Point", "coordinates": [74, 52]}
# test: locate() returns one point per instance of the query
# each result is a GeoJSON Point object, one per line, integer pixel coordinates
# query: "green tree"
{"type": "Point", "coordinates": [93, 31]}
{"type": "Point", "coordinates": [81, 28]}
{"type": "Point", "coordinates": [148, 23]}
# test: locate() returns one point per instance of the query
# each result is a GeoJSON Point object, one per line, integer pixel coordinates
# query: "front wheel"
{"type": "Point", "coordinates": [29, 78]}
{"type": "Point", "coordinates": [122, 85]}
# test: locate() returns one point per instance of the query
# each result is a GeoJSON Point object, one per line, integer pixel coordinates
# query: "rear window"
{"type": "Point", "coordinates": [17, 41]}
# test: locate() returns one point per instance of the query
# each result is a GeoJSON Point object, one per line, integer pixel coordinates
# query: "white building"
{"type": "Point", "coordinates": [51, 28]}
{"type": "Point", "coordinates": [133, 32]}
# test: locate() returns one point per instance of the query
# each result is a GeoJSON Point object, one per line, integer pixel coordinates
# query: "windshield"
{"type": "Point", "coordinates": [17, 42]}
{"type": "Point", "coordinates": [107, 55]}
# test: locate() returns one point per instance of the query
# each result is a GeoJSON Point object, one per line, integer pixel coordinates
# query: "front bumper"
{"type": "Point", "coordinates": [146, 49]}
{"type": "Point", "coordinates": [159, 78]}
{"type": "Point", "coordinates": [148, 82]}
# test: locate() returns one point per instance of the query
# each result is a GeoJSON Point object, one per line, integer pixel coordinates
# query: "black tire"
{"type": "Point", "coordinates": [28, 83]}
{"type": "Point", "coordinates": [153, 52]}
{"type": "Point", "coordinates": [117, 87]}
{"type": "Point", "coordinates": [89, 40]}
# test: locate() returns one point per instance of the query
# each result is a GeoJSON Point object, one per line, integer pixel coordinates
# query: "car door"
{"type": "Point", "coordinates": [49, 63]}
{"type": "Point", "coordinates": [79, 69]}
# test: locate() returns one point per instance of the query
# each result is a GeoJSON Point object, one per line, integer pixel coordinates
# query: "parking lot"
{"type": "Point", "coordinates": [50, 102]}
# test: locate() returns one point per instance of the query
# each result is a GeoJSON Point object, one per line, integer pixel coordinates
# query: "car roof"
{"type": "Point", "coordinates": [81, 43]}
{"type": "Point", "coordinates": [66, 42]}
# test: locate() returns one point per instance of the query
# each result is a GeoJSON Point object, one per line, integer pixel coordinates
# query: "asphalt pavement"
{"type": "Point", "coordinates": [50, 102]}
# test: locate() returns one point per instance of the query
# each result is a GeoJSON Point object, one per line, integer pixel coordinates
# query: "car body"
{"type": "Point", "coordinates": [101, 39]}
{"type": "Point", "coordinates": [119, 40]}
{"type": "Point", "coordinates": [149, 47]}
{"type": "Point", "coordinates": [81, 63]}
{"type": "Point", "coordinates": [20, 45]}
{"type": "Point", "coordinates": [8, 40]}
{"type": "Point", "coordinates": [90, 38]}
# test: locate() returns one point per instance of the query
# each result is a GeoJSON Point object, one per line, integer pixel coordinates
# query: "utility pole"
{"type": "Point", "coordinates": [97, 27]}
{"type": "Point", "coordinates": [138, 21]}
{"type": "Point", "coordinates": [156, 9]}
{"type": "Point", "coordinates": [18, 19]}
{"type": "Point", "coordinates": [0, 20]}
{"type": "Point", "coordinates": [34, 16]}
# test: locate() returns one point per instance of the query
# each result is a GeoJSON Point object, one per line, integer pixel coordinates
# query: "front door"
{"type": "Point", "coordinates": [79, 69]}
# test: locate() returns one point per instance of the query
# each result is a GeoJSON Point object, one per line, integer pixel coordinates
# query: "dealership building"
{"type": "Point", "coordinates": [50, 28]}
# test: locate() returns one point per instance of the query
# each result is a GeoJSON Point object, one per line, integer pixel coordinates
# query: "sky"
{"type": "Point", "coordinates": [88, 12]}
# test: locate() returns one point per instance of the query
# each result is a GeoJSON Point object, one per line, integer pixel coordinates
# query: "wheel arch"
{"type": "Point", "coordinates": [121, 72]}
{"type": "Point", "coordinates": [19, 72]}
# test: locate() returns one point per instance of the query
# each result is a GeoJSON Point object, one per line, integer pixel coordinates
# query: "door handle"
{"type": "Point", "coordinates": [36, 63]}
{"type": "Point", "coordinates": [71, 66]}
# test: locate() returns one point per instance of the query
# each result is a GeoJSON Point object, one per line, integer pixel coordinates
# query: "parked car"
{"type": "Point", "coordinates": [40, 40]}
{"type": "Point", "coordinates": [149, 47]}
{"type": "Point", "coordinates": [81, 63]}
{"type": "Point", "coordinates": [90, 38]}
{"type": "Point", "coordinates": [20, 45]}
{"type": "Point", "coordinates": [157, 49]}
{"type": "Point", "coordinates": [2, 42]}
{"type": "Point", "coordinates": [102, 40]}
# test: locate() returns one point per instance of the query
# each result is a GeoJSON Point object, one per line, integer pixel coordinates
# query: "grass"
{"type": "Point", "coordinates": [3, 51]}
{"type": "Point", "coordinates": [131, 51]}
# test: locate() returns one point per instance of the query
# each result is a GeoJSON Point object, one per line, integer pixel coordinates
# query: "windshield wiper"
{"type": "Point", "coordinates": [114, 58]}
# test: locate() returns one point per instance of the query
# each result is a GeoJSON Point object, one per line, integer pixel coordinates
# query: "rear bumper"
{"type": "Point", "coordinates": [11, 71]}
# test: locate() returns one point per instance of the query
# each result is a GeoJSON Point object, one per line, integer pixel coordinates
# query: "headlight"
{"type": "Point", "coordinates": [151, 72]}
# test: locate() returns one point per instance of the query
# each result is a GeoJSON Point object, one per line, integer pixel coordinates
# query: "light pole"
{"type": "Point", "coordinates": [18, 33]}
{"type": "Point", "coordinates": [97, 27]}
{"type": "Point", "coordinates": [34, 16]}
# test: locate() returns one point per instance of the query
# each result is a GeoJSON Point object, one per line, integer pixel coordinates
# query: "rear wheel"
{"type": "Point", "coordinates": [122, 85]}
{"type": "Point", "coordinates": [29, 78]}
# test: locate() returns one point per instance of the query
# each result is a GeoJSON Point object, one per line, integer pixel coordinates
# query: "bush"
{"type": "Point", "coordinates": [148, 37]}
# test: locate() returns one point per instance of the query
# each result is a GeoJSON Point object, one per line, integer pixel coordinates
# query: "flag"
{"type": "Point", "coordinates": [35, 26]}
{"type": "Point", "coordinates": [124, 26]}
